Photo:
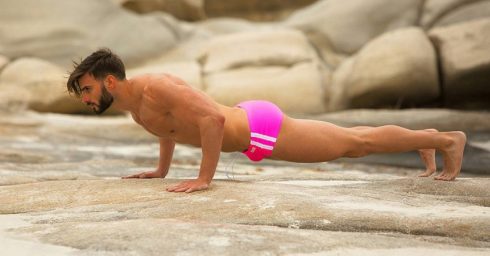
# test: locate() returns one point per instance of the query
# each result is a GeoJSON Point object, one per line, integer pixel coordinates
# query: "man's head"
{"type": "Point", "coordinates": [90, 78]}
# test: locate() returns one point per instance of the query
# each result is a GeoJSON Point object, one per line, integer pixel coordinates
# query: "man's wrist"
{"type": "Point", "coordinates": [162, 171]}
{"type": "Point", "coordinates": [204, 178]}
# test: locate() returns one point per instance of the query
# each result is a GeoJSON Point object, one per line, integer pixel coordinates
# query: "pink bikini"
{"type": "Point", "coordinates": [264, 119]}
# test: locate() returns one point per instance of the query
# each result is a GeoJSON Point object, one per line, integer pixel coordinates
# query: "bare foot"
{"type": "Point", "coordinates": [453, 156]}
{"type": "Point", "coordinates": [428, 156]}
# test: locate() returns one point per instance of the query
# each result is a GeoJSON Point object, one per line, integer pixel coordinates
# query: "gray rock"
{"type": "Point", "coordinates": [61, 194]}
{"type": "Point", "coordinates": [464, 51]}
{"type": "Point", "coordinates": [475, 11]}
{"type": "Point", "coordinates": [72, 29]}
{"type": "Point", "coordinates": [349, 25]}
{"type": "Point", "coordinates": [272, 211]}
{"type": "Point", "coordinates": [279, 66]}
{"type": "Point", "coordinates": [189, 71]}
{"type": "Point", "coordinates": [280, 47]}
{"type": "Point", "coordinates": [219, 26]}
{"type": "Point", "coordinates": [446, 12]}
{"type": "Point", "coordinates": [38, 85]}
{"type": "Point", "coordinates": [182, 9]}
{"type": "Point", "coordinates": [395, 69]}
{"type": "Point", "coordinates": [257, 10]}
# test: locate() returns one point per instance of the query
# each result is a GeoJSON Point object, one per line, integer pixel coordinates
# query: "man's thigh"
{"type": "Point", "coordinates": [312, 141]}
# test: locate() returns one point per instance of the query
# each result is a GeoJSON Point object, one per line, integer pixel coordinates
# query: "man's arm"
{"type": "Point", "coordinates": [167, 147]}
{"type": "Point", "coordinates": [211, 129]}
{"type": "Point", "coordinates": [197, 109]}
{"type": "Point", "coordinates": [166, 152]}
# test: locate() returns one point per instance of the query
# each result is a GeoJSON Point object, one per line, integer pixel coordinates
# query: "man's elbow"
{"type": "Point", "coordinates": [214, 121]}
{"type": "Point", "coordinates": [218, 120]}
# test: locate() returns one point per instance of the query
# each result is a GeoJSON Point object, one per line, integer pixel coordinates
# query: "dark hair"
{"type": "Point", "coordinates": [99, 64]}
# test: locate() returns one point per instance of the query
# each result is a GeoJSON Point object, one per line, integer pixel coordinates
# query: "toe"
{"type": "Point", "coordinates": [440, 176]}
{"type": "Point", "coordinates": [427, 173]}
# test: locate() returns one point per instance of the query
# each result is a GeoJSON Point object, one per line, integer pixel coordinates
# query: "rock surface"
{"type": "Point", "coordinates": [39, 85]}
{"type": "Point", "coordinates": [465, 61]}
{"type": "Point", "coordinates": [189, 71]}
{"type": "Point", "coordinates": [334, 21]}
{"type": "Point", "coordinates": [182, 9]}
{"type": "Point", "coordinates": [382, 73]}
{"type": "Point", "coordinates": [262, 65]}
{"type": "Point", "coordinates": [72, 29]}
{"type": "Point", "coordinates": [36, 84]}
{"type": "Point", "coordinates": [446, 12]}
{"type": "Point", "coordinates": [61, 193]}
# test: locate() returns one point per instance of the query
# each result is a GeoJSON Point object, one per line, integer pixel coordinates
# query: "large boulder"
{"type": "Point", "coordinates": [218, 26]}
{"type": "Point", "coordinates": [345, 26]}
{"type": "Point", "coordinates": [60, 31]}
{"type": "Point", "coordinates": [295, 89]}
{"type": "Point", "coordinates": [465, 61]}
{"type": "Point", "coordinates": [259, 48]}
{"type": "Point", "coordinates": [446, 12]}
{"type": "Point", "coordinates": [39, 85]}
{"type": "Point", "coordinates": [258, 10]}
{"type": "Point", "coordinates": [277, 65]}
{"type": "Point", "coordinates": [189, 71]}
{"type": "Point", "coordinates": [193, 10]}
{"type": "Point", "coordinates": [395, 69]}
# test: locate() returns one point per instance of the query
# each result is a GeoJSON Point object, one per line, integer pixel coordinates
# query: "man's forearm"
{"type": "Point", "coordinates": [211, 141]}
{"type": "Point", "coordinates": [166, 152]}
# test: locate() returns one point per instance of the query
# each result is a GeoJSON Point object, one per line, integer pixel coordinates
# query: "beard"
{"type": "Point", "coordinates": [105, 101]}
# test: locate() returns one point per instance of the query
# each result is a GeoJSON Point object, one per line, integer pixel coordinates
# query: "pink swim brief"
{"type": "Point", "coordinates": [264, 119]}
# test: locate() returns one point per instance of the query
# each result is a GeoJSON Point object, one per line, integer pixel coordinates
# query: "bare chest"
{"type": "Point", "coordinates": [164, 124]}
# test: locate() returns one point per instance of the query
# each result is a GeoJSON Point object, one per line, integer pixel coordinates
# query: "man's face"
{"type": "Point", "coordinates": [94, 94]}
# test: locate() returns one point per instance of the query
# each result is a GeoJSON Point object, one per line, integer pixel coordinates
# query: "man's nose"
{"type": "Point", "coordinates": [85, 99]}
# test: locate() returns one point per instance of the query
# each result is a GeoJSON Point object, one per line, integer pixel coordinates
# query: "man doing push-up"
{"type": "Point", "coordinates": [177, 113]}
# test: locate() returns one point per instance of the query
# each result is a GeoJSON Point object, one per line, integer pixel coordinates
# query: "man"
{"type": "Point", "coordinates": [176, 113]}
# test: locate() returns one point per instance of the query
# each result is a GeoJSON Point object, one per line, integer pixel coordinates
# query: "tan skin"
{"type": "Point", "coordinates": [176, 113]}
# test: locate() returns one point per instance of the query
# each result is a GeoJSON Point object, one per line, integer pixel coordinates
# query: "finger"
{"type": "Point", "coordinates": [192, 189]}
{"type": "Point", "coordinates": [177, 186]}
{"type": "Point", "coordinates": [172, 188]}
{"type": "Point", "coordinates": [130, 176]}
{"type": "Point", "coordinates": [182, 189]}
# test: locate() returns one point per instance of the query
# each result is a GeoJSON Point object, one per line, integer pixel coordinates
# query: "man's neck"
{"type": "Point", "coordinates": [126, 97]}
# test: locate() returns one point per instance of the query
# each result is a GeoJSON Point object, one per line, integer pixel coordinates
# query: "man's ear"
{"type": "Point", "coordinates": [110, 82]}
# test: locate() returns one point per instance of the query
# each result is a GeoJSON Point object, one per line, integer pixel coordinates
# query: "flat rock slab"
{"type": "Point", "coordinates": [263, 215]}
{"type": "Point", "coordinates": [61, 194]}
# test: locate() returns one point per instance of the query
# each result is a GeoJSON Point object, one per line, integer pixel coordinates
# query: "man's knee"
{"type": "Point", "coordinates": [360, 145]}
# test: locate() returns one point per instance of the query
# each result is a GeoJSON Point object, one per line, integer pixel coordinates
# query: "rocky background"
{"type": "Point", "coordinates": [336, 54]}
{"type": "Point", "coordinates": [415, 63]}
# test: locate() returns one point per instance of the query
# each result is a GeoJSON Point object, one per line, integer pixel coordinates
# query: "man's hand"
{"type": "Point", "coordinates": [147, 175]}
{"type": "Point", "coordinates": [189, 186]}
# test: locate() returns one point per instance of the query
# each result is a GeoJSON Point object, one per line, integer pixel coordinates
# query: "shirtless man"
{"type": "Point", "coordinates": [176, 113]}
